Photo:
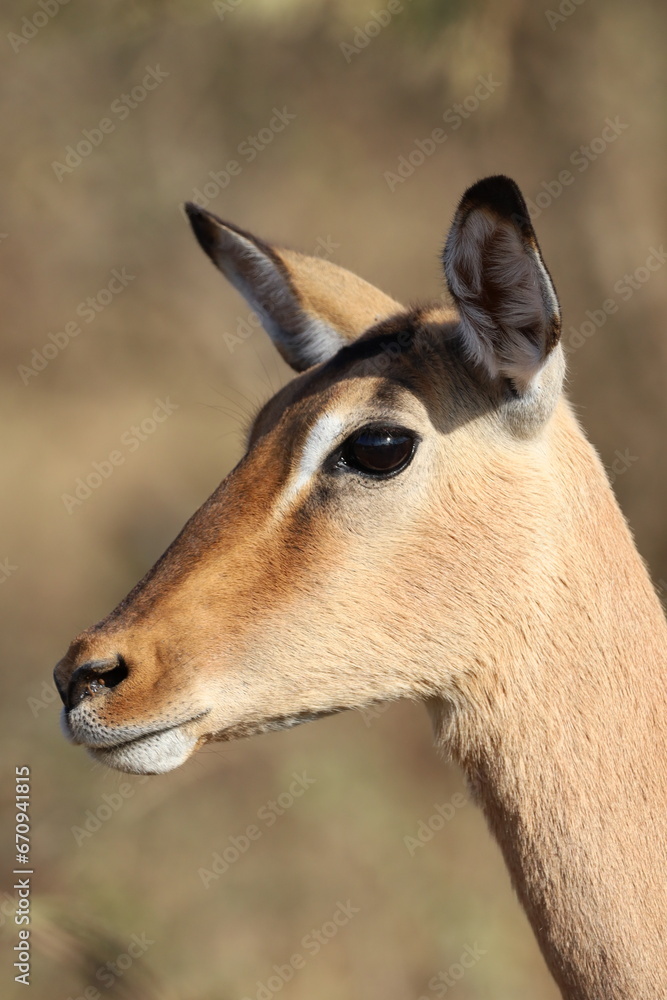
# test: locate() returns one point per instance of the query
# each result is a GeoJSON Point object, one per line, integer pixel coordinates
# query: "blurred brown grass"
{"type": "Point", "coordinates": [322, 177]}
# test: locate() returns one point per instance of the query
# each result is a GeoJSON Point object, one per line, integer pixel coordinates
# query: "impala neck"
{"type": "Point", "coordinates": [568, 759]}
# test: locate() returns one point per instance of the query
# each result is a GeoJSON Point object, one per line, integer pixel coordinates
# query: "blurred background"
{"type": "Point", "coordinates": [311, 124]}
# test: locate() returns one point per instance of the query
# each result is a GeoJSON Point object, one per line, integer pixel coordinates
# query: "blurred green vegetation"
{"type": "Point", "coordinates": [322, 177]}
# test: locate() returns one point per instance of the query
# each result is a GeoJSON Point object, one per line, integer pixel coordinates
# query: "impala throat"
{"type": "Point", "coordinates": [275, 723]}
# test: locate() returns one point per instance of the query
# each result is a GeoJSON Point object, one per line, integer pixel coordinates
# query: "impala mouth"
{"type": "Point", "coordinates": [160, 750]}
{"type": "Point", "coordinates": [155, 751]}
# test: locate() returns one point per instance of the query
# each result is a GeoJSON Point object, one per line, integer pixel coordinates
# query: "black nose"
{"type": "Point", "coordinates": [92, 679]}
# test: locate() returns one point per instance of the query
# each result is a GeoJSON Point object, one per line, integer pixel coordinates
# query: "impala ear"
{"type": "Point", "coordinates": [310, 307]}
{"type": "Point", "coordinates": [510, 317]}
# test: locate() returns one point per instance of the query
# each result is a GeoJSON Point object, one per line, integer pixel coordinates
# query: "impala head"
{"type": "Point", "coordinates": [369, 542]}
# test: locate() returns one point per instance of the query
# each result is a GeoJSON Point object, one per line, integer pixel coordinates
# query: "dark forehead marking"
{"type": "Point", "coordinates": [392, 336]}
{"type": "Point", "coordinates": [379, 346]}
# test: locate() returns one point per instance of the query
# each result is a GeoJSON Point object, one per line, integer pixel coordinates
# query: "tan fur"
{"type": "Point", "coordinates": [336, 296]}
{"type": "Point", "coordinates": [494, 579]}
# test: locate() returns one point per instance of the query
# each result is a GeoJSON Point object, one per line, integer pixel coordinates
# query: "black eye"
{"type": "Point", "coordinates": [379, 451]}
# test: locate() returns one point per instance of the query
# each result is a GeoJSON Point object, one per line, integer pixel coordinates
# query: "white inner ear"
{"type": "Point", "coordinates": [318, 341]}
{"type": "Point", "coordinates": [502, 289]}
{"type": "Point", "coordinates": [305, 340]}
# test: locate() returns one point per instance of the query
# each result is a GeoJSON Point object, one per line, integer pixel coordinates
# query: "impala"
{"type": "Point", "coordinates": [419, 515]}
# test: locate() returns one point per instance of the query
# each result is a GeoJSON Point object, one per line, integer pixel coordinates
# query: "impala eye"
{"type": "Point", "coordinates": [379, 451]}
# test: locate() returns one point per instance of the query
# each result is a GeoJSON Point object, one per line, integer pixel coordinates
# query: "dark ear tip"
{"type": "Point", "coordinates": [204, 225]}
{"type": "Point", "coordinates": [198, 216]}
{"type": "Point", "coordinates": [501, 195]}
{"type": "Point", "coordinates": [192, 210]}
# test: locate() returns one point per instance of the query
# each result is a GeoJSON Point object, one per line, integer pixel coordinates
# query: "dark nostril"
{"type": "Point", "coordinates": [113, 677]}
{"type": "Point", "coordinates": [95, 678]}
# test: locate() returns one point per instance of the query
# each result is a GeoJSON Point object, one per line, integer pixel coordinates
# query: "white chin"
{"type": "Point", "coordinates": [156, 753]}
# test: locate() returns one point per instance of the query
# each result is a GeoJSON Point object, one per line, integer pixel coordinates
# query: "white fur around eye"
{"type": "Point", "coordinates": [322, 438]}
